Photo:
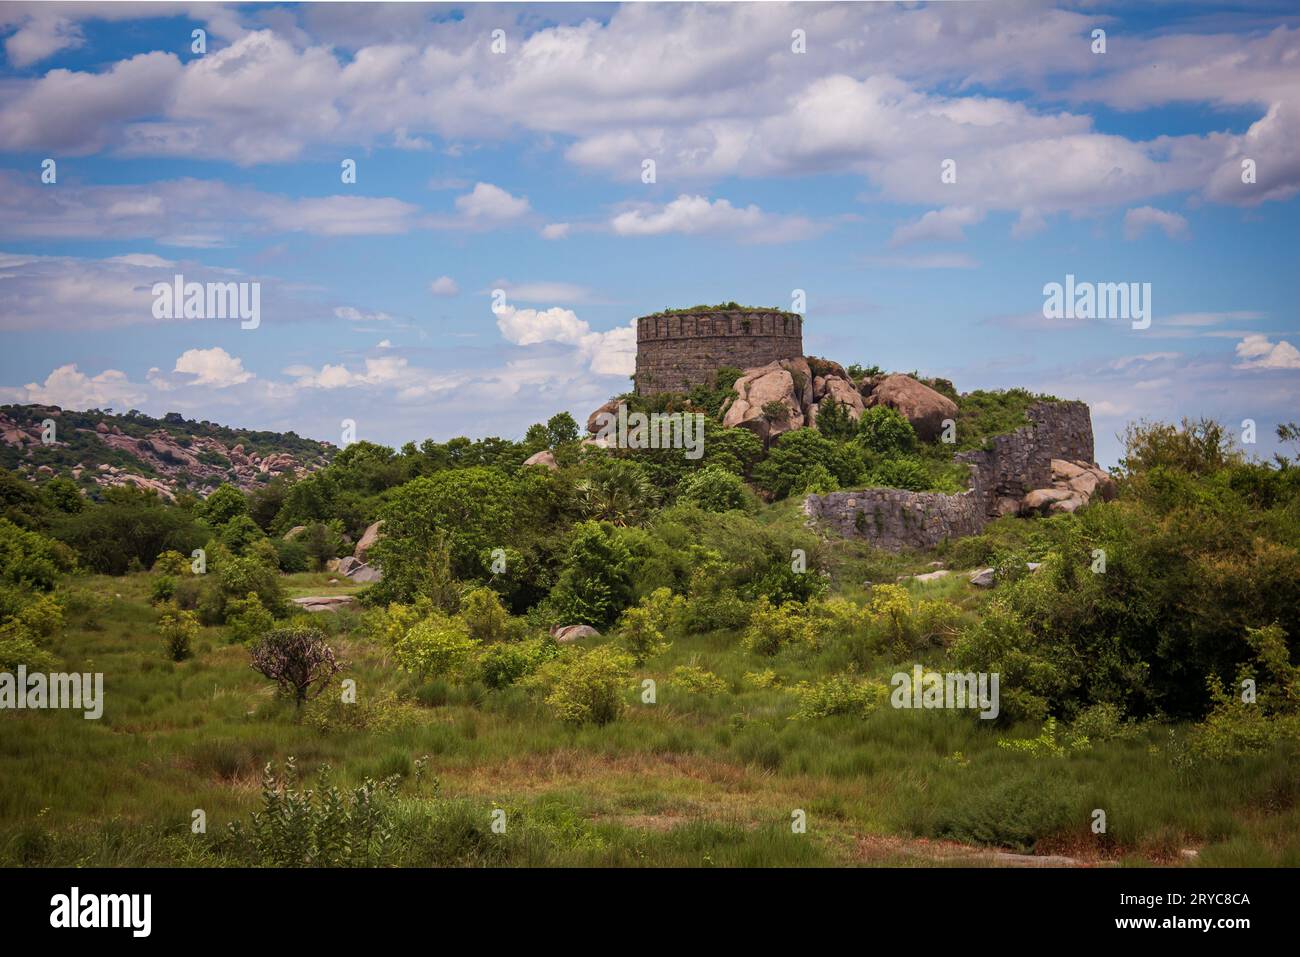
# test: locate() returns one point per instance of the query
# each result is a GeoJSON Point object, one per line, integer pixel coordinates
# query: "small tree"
{"type": "Point", "coordinates": [297, 659]}
{"type": "Point", "coordinates": [178, 633]}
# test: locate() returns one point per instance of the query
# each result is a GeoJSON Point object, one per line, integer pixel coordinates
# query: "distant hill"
{"type": "Point", "coordinates": [170, 455]}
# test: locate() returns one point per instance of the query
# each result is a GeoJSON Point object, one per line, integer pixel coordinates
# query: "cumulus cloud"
{"type": "Point", "coordinates": [41, 35]}
{"type": "Point", "coordinates": [69, 388]}
{"type": "Point", "coordinates": [605, 353]}
{"type": "Point", "coordinates": [709, 99]}
{"type": "Point", "coordinates": [1259, 352]}
{"type": "Point", "coordinates": [1138, 221]}
{"type": "Point", "coordinates": [697, 215]}
{"type": "Point", "coordinates": [444, 286]}
{"type": "Point", "coordinates": [488, 202]}
{"type": "Point", "coordinates": [555, 231]}
{"type": "Point", "coordinates": [212, 367]}
{"type": "Point", "coordinates": [945, 224]}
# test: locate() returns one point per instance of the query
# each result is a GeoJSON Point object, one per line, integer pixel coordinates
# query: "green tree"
{"type": "Point", "coordinates": [222, 505]}
{"type": "Point", "coordinates": [561, 429]}
{"type": "Point", "coordinates": [884, 431]}
{"type": "Point", "coordinates": [596, 581]}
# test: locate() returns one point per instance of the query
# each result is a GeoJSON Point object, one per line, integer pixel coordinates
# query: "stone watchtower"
{"type": "Point", "coordinates": [679, 349]}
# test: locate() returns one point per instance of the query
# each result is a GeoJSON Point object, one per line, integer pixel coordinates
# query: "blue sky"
{"type": "Point", "coordinates": [521, 170]}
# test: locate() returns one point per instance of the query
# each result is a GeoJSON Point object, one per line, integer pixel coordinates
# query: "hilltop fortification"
{"type": "Point", "coordinates": [679, 349]}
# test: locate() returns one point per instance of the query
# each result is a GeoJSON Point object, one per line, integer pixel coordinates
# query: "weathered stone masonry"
{"type": "Point", "coordinates": [674, 353]}
{"type": "Point", "coordinates": [1016, 463]}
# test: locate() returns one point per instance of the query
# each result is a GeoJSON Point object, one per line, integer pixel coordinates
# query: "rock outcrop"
{"type": "Point", "coordinates": [915, 401]}
{"type": "Point", "coordinates": [567, 634]}
{"type": "Point", "coordinates": [1073, 486]}
{"type": "Point", "coordinates": [368, 539]}
{"type": "Point", "coordinates": [544, 458]}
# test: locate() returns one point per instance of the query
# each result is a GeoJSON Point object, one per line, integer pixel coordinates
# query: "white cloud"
{"type": "Point", "coordinates": [555, 231]}
{"type": "Point", "coordinates": [605, 353]}
{"type": "Point", "coordinates": [544, 291]}
{"type": "Point", "coordinates": [1137, 221]}
{"type": "Point", "coordinates": [70, 389]}
{"type": "Point", "coordinates": [444, 286]}
{"type": "Point", "coordinates": [945, 224]}
{"type": "Point", "coordinates": [213, 367]}
{"type": "Point", "coordinates": [1258, 352]}
{"type": "Point", "coordinates": [353, 314]}
{"type": "Point", "coordinates": [697, 215]}
{"type": "Point", "coordinates": [488, 202]}
{"type": "Point", "coordinates": [384, 371]}
{"type": "Point", "coordinates": [41, 35]}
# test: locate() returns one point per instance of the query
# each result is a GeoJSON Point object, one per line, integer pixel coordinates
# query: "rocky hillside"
{"type": "Point", "coordinates": [168, 455]}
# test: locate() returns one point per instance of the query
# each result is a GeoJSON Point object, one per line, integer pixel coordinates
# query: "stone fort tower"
{"type": "Point", "coordinates": [678, 350]}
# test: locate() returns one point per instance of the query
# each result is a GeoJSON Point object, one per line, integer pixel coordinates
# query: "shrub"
{"type": "Point", "coordinates": [178, 632]}
{"type": "Point", "coordinates": [171, 563]}
{"type": "Point", "coordinates": [247, 619]}
{"type": "Point", "coordinates": [1015, 812]}
{"type": "Point", "coordinates": [595, 583]}
{"type": "Point", "coordinates": [840, 694]}
{"type": "Point", "coordinates": [796, 453]}
{"type": "Point", "coordinates": [296, 659]}
{"type": "Point", "coordinates": [437, 647]}
{"type": "Point", "coordinates": [163, 589]}
{"type": "Point", "coordinates": [503, 664]}
{"type": "Point", "coordinates": [696, 680]}
{"type": "Point", "coordinates": [884, 431]}
{"type": "Point", "coordinates": [640, 634]}
{"type": "Point", "coordinates": [321, 826]}
{"type": "Point", "coordinates": [29, 559]}
{"type": "Point", "coordinates": [900, 472]}
{"type": "Point", "coordinates": [485, 616]}
{"type": "Point", "coordinates": [714, 489]}
{"type": "Point", "coordinates": [773, 628]}
{"type": "Point", "coordinates": [587, 686]}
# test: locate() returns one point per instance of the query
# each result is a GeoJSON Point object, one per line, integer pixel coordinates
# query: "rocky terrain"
{"type": "Point", "coordinates": [167, 456]}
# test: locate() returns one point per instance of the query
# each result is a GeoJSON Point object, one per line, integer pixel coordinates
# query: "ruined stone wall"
{"type": "Point", "coordinates": [1020, 461]}
{"type": "Point", "coordinates": [675, 353]}
{"type": "Point", "coordinates": [1016, 463]}
{"type": "Point", "coordinates": [893, 518]}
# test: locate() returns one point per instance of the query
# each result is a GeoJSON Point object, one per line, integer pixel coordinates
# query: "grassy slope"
{"type": "Point", "coordinates": [691, 780]}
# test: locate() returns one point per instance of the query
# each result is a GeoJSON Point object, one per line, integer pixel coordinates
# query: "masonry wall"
{"type": "Point", "coordinates": [677, 353]}
{"type": "Point", "coordinates": [1015, 464]}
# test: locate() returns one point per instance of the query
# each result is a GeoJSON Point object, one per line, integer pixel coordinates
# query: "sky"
{"type": "Point", "coordinates": [921, 172]}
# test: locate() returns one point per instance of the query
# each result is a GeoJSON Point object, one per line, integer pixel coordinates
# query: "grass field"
{"type": "Point", "coordinates": [694, 779]}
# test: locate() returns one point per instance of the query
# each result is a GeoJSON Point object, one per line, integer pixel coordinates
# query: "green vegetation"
{"type": "Point", "coordinates": [743, 669]}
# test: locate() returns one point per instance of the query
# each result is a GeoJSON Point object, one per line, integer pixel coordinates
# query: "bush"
{"type": "Point", "coordinates": [247, 619]}
{"type": "Point", "coordinates": [503, 664]}
{"type": "Point", "coordinates": [841, 694]}
{"type": "Point", "coordinates": [640, 634]}
{"type": "Point", "coordinates": [29, 559]}
{"type": "Point", "coordinates": [696, 680]}
{"type": "Point", "coordinates": [595, 583]}
{"type": "Point", "coordinates": [884, 431]}
{"type": "Point", "coordinates": [715, 490]}
{"type": "Point", "coordinates": [586, 686]}
{"type": "Point", "coordinates": [296, 659]}
{"type": "Point", "coordinates": [437, 647]}
{"type": "Point", "coordinates": [773, 628]}
{"type": "Point", "coordinates": [1014, 813]}
{"type": "Point", "coordinates": [485, 616]}
{"type": "Point", "coordinates": [171, 563]}
{"type": "Point", "coordinates": [163, 589]}
{"type": "Point", "coordinates": [321, 826]}
{"type": "Point", "coordinates": [797, 453]}
{"type": "Point", "coordinates": [178, 632]}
